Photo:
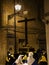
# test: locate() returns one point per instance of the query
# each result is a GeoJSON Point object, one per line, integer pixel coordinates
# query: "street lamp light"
{"type": "Point", "coordinates": [18, 7]}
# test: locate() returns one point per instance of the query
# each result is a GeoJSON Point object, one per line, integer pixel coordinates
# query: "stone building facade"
{"type": "Point", "coordinates": [36, 29]}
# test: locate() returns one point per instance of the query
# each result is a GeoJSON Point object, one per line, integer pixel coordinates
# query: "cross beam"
{"type": "Point", "coordinates": [26, 20]}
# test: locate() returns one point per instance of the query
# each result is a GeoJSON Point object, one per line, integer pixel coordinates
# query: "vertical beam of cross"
{"type": "Point", "coordinates": [26, 37]}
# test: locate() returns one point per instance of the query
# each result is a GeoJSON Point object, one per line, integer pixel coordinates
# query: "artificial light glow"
{"type": "Point", "coordinates": [18, 7]}
{"type": "Point", "coordinates": [25, 12]}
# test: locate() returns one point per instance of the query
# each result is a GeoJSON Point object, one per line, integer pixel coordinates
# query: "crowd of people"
{"type": "Point", "coordinates": [38, 57]}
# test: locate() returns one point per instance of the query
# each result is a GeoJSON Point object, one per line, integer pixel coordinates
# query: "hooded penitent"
{"type": "Point", "coordinates": [19, 60]}
{"type": "Point", "coordinates": [30, 58]}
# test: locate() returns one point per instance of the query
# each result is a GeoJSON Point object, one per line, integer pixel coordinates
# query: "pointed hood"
{"type": "Point", "coordinates": [30, 58]}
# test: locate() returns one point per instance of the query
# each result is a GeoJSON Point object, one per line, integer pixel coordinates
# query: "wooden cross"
{"type": "Point", "coordinates": [26, 20]}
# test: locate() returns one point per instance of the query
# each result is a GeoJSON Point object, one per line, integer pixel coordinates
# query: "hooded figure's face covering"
{"type": "Point", "coordinates": [30, 54]}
